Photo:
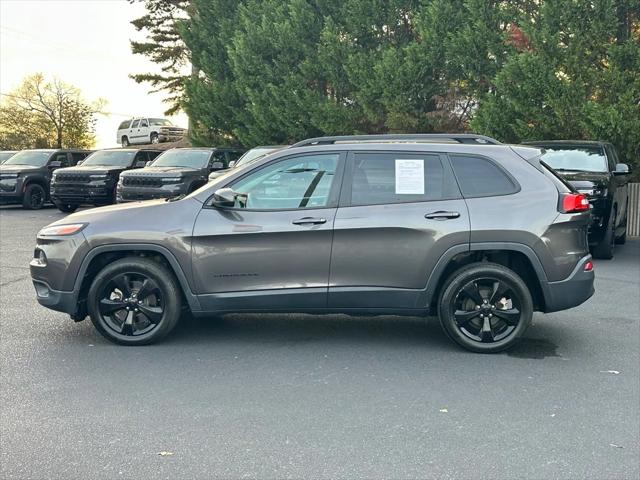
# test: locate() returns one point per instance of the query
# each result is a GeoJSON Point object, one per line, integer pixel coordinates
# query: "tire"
{"type": "Point", "coordinates": [154, 138]}
{"type": "Point", "coordinates": [604, 249]}
{"type": "Point", "coordinates": [124, 315]}
{"type": "Point", "coordinates": [504, 292]}
{"type": "Point", "coordinates": [67, 207]}
{"type": "Point", "coordinates": [125, 142]}
{"type": "Point", "coordinates": [34, 197]}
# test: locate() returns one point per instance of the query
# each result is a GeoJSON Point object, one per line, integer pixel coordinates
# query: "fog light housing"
{"type": "Point", "coordinates": [40, 258]}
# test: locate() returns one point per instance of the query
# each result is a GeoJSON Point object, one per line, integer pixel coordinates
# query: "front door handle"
{"type": "Point", "coordinates": [441, 215]}
{"type": "Point", "coordinates": [309, 221]}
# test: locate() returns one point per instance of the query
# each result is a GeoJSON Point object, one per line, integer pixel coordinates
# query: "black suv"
{"type": "Point", "coordinates": [593, 168]}
{"type": "Point", "coordinates": [94, 181]}
{"type": "Point", "coordinates": [25, 177]}
{"type": "Point", "coordinates": [176, 172]}
{"type": "Point", "coordinates": [460, 226]}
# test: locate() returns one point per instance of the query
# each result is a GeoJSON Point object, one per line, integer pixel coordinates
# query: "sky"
{"type": "Point", "coordinates": [84, 43]}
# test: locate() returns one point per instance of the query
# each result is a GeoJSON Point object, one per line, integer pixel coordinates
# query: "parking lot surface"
{"type": "Point", "coordinates": [293, 396]}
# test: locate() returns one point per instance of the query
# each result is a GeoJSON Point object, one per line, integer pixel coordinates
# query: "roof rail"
{"type": "Point", "coordinates": [468, 138]}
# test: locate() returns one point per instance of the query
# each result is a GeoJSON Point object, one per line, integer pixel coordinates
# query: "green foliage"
{"type": "Point", "coordinates": [43, 114]}
{"type": "Point", "coordinates": [274, 71]}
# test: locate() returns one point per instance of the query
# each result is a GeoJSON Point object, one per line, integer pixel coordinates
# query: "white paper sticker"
{"type": "Point", "coordinates": [409, 177]}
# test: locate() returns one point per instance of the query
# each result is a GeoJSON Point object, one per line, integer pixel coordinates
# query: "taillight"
{"type": "Point", "coordinates": [573, 202]}
{"type": "Point", "coordinates": [588, 267]}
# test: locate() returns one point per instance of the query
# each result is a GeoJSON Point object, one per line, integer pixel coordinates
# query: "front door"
{"type": "Point", "coordinates": [272, 249]}
{"type": "Point", "coordinates": [399, 212]}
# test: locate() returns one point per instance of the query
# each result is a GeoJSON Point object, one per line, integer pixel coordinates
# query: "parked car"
{"type": "Point", "coordinates": [145, 130]}
{"type": "Point", "coordinates": [480, 233]}
{"type": "Point", "coordinates": [93, 182]}
{"type": "Point", "coordinates": [25, 177]}
{"type": "Point", "coordinates": [248, 157]}
{"type": "Point", "coordinates": [178, 171]}
{"type": "Point", "coordinates": [593, 168]}
{"type": "Point", "coordinates": [6, 155]}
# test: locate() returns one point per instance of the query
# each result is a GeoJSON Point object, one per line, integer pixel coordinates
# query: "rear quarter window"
{"type": "Point", "coordinates": [480, 177]}
{"type": "Point", "coordinates": [124, 125]}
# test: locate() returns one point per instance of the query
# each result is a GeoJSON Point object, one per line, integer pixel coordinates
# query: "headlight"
{"type": "Point", "coordinates": [62, 230]}
{"type": "Point", "coordinates": [172, 180]}
{"type": "Point", "coordinates": [98, 177]}
{"type": "Point", "coordinates": [8, 175]}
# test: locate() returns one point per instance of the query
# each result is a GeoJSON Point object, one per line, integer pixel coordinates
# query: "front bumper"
{"type": "Point", "coordinates": [10, 190]}
{"type": "Point", "coordinates": [59, 301]}
{"type": "Point", "coordinates": [571, 292]}
{"type": "Point", "coordinates": [170, 137]}
{"type": "Point", "coordinates": [135, 194]}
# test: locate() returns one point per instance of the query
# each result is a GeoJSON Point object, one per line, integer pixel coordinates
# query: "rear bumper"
{"type": "Point", "coordinates": [571, 292]}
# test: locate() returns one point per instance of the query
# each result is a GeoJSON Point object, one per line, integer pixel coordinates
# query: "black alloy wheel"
{"type": "Point", "coordinates": [485, 307]}
{"type": "Point", "coordinates": [134, 301]}
{"type": "Point", "coordinates": [34, 197]}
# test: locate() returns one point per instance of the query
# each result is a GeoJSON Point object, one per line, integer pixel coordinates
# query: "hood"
{"type": "Point", "coordinates": [160, 171]}
{"type": "Point", "coordinates": [90, 169]}
{"type": "Point", "coordinates": [17, 168]}
{"type": "Point", "coordinates": [586, 180]}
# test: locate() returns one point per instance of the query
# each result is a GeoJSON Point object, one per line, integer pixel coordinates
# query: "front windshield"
{"type": "Point", "coordinates": [34, 158]}
{"type": "Point", "coordinates": [163, 122]}
{"type": "Point", "coordinates": [110, 158]}
{"type": "Point", "coordinates": [5, 156]}
{"type": "Point", "coordinates": [182, 158]}
{"type": "Point", "coordinates": [583, 159]}
{"type": "Point", "coordinates": [252, 155]}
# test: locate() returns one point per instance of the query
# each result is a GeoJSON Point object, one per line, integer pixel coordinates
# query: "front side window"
{"type": "Point", "coordinates": [578, 158]}
{"type": "Point", "coordinates": [299, 182]}
{"type": "Point", "coordinates": [144, 123]}
{"type": "Point", "coordinates": [110, 158]}
{"type": "Point", "coordinates": [62, 158]}
{"type": "Point", "coordinates": [381, 178]}
{"type": "Point", "coordinates": [478, 177]}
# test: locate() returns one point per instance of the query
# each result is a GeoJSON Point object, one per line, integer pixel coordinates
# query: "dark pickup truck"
{"type": "Point", "coordinates": [25, 177]}
{"type": "Point", "coordinates": [94, 181]}
{"type": "Point", "coordinates": [176, 172]}
{"type": "Point", "coordinates": [593, 168]}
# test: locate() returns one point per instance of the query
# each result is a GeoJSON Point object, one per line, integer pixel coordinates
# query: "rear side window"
{"type": "Point", "coordinates": [479, 177]}
{"type": "Point", "coordinates": [381, 178]}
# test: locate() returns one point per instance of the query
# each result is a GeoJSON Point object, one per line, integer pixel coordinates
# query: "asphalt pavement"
{"type": "Point", "coordinates": [300, 396]}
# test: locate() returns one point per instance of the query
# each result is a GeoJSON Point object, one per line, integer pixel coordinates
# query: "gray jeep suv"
{"type": "Point", "coordinates": [479, 233]}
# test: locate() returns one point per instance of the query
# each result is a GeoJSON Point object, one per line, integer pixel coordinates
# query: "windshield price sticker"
{"type": "Point", "coordinates": [409, 177]}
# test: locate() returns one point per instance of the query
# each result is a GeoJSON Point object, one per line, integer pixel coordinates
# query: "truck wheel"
{"type": "Point", "coordinates": [485, 307]}
{"type": "Point", "coordinates": [622, 239]}
{"type": "Point", "coordinates": [34, 197]}
{"type": "Point", "coordinates": [67, 207]}
{"type": "Point", "coordinates": [125, 142]}
{"type": "Point", "coordinates": [154, 138]}
{"type": "Point", "coordinates": [604, 249]}
{"type": "Point", "coordinates": [134, 301]}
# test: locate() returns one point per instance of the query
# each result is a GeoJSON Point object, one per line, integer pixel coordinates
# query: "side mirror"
{"type": "Point", "coordinates": [140, 164]}
{"type": "Point", "coordinates": [224, 197]}
{"type": "Point", "coordinates": [621, 169]}
{"type": "Point", "coordinates": [232, 163]}
{"type": "Point", "coordinates": [55, 164]}
{"type": "Point", "coordinates": [217, 166]}
{"type": "Point", "coordinates": [147, 163]}
{"type": "Point", "coordinates": [80, 162]}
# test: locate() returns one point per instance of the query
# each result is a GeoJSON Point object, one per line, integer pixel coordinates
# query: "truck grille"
{"type": "Point", "coordinates": [72, 178]}
{"type": "Point", "coordinates": [142, 182]}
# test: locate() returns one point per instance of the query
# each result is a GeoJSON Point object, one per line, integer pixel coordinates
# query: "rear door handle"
{"type": "Point", "coordinates": [309, 221]}
{"type": "Point", "coordinates": [441, 215]}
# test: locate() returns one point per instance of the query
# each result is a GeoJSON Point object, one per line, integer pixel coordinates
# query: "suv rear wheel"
{"type": "Point", "coordinates": [124, 141]}
{"type": "Point", "coordinates": [134, 301]}
{"type": "Point", "coordinates": [485, 307]}
{"type": "Point", "coordinates": [34, 197]}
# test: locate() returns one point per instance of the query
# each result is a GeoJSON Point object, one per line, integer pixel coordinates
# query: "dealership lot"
{"type": "Point", "coordinates": [291, 396]}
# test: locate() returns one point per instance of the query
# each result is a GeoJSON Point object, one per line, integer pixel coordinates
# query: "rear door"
{"type": "Point", "coordinates": [399, 212]}
{"type": "Point", "coordinates": [272, 249]}
{"type": "Point", "coordinates": [134, 131]}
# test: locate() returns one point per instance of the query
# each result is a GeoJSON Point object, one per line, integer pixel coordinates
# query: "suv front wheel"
{"type": "Point", "coordinates": [485, 307]}
{"type": "Point", "coordinates": [134, 301]}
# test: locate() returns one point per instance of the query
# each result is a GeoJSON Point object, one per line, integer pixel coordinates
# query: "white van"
{"type": "Point", "coordinates": [143, 130]}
